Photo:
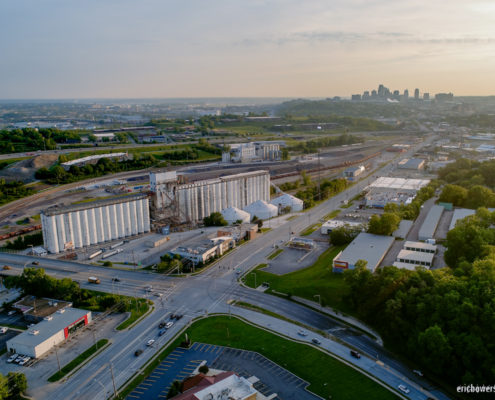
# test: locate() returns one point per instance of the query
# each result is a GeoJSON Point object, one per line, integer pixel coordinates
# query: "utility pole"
{"type": "Point", "coordinates": [58, 360]}
{"type": "Point", "coordinates": [113, 381]}
{"type": "Point", "coordinates": [319, 176]}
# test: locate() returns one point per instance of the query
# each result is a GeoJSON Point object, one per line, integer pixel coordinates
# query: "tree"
{"type": "Point", "coordinates": [383, 225]}
{"type": "Point", "coordinates": [215, 219]}
{"type": "Point", "coordinates": [454, 194]}
{"type": "Point", "coordinates": [480, 196]}
{"type": "Point", "coordinates": [4, 387]}
{"type": "Point", "coordinates": [434, 347]}
{"type": "Point", "coordinates": [204, 369]}
{"type": "Point", "coordinates": [175, 389]}
{"type": "Point", "coordinates": [343, 235]}
{"type": "Point", "coordinates": [256, 220]}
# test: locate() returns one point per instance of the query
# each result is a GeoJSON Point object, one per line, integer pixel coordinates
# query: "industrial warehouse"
{"type": "Point", "coordinates": [386, 190]}
{"type": "Point", "coordinates": [191, 202]}
{"type": "Point", "coordinates": [81, 225]}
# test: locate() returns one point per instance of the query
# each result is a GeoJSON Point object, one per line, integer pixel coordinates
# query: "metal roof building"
{"type": "Point", "coordinates": [53, 330]}
{"type": "Point", "coordinates": [400, 184]}
{"type": "Point", "coordinates": [420, 247]}
{"type": "Point", "coordinates": [430, 223]}
{"type": "Point", "coordinates": [412, 163]}
{"type": "Point", "coordinates": [415, 258]}
{"type": "Point", "coordinates": [365, 246]}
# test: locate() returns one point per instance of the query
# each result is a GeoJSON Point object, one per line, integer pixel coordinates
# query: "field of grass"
{"type": "Point", "coordinates": [308, 282]}
{"type": "Point", "coordinates": [78, 360]}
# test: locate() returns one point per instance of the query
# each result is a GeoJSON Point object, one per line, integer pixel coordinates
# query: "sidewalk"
{"type": "Point", "coordinates": [345, 318]}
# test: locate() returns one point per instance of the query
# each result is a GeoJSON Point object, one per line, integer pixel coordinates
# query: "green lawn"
{"type": "Point", "coordinates": [307, 282]}
{"type": "Point", "coordinates": [77, 361]}
{"type": "Point", "coordinates": [310, 229]}
{"type": "Point", "coordinates": [327, 376]}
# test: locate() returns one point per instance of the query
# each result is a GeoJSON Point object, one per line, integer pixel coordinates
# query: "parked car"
{"type": "Point", "coordinates": [150, 342]}
{"type": "Point", "coordinates": [302, 332]}
{"type": "Point", "coordinates": [138, 352]}
{"type": "Point", "coordinates": [7, 267]}
{"type": "Point", "coordinates": [168, 325]}
{"type": "Point", "coordinates": [12, 358]}
{"type": "Point", "coordinates": [404, 389]}
{"type": "Point", "coordinates": [315, 341]}
{"type": "Point", "coordinates": [3, 329]}
{"type": "Point", "coordinates": [417, 372]}
{"type": "Point", "coordinates": [19, 358]}
{"type": "Point", "coordinates": [355, 354]}
{"type": "Point", "coordinates": [157, 294]}
{"type": "Point", "coordinates": [24, 360]}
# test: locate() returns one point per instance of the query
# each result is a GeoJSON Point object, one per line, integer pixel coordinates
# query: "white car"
{"type": "Point", "coordinates": [404, 389]}
{"type": "Point", "coordinates": [3, 329]}
{"type": "Point", "coordinates": [19, 359]}
{"type": "Point", "coordinates": [24, 360]}
{"type": "Point", "coordinates": [168, 325]}
{"type": "Point", "coordinates": [12, 358]}
{"type": "Point", "coordinates": [302, 333]}
{"type": "Point", "coordinates": [150, 342]}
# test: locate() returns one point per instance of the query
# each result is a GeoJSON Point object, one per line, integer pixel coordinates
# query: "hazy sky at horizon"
{"type": "Point", "coordinates": [215, 48]}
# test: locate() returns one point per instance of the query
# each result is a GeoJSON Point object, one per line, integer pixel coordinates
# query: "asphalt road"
{"type": "Point", "coordinates": [200, 295]}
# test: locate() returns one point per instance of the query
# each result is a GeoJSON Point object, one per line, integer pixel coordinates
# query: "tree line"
{"type": "Point", "coordinates": [10, 191]}
{"type": "Point", "coordinates": [31, 139]}
{"type": "Point", "coordinates": [327, 188]}
{"type": "Point", "coordinates": [312, 146]}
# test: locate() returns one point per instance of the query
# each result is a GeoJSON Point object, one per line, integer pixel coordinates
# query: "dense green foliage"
{"type": "Point", "coordinates": [467, 173]}
{"type": "Point", "coordinates": [77, 361]}
{"type": "Point", "coordinates": [30, 139]}
{"type": "Point", "coordinates": [215, 219]}
{"type": "Point", "coordinates": [441, 319]}
{"type": "Point", "coordinates": [474, 197]}
{"type": "Point", "coordinates": [312, 146]}
{"type": "Point", "coordinates": [171, 264]}
{"type": "Point", "coordinates": [34, 281]}
{"type": "Point", "coordinates": [58, 175]}
{"type": "Point", "coordinates": [343, 235]}
{"type": "Point", "coordinates": [328, 188]}
{"type": "Point", "coordinates": [23, 242]}
{"type": "Point", "coordinates": [10, 191]}
{"type": "Point", "coordinates": [12, 386]}
{"type": "Point", "coordinates": [384, 224]}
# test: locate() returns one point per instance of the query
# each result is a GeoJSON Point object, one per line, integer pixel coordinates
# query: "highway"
{"type": "Point", "coordinates": [208, 293]}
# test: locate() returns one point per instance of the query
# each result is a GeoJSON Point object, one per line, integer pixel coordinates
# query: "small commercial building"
{"type": "Point", "coordinates": [430, 223]}
{"type": "Point", "coordinates": [352, 172]}
{"type": "Point", "coordinates": [51, 331]}
{"type": "Point", "coordinates": [239, 232]}
{"type": "Point", "coordinates": [414, 258]}
{"type": "Point", "coordinates": [205, 250]}
{"type": "Point", "coordinates": [366, 246]}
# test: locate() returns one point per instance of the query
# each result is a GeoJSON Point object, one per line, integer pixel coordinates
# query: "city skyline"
{"type": "Point", "coordinates": [154, 49]}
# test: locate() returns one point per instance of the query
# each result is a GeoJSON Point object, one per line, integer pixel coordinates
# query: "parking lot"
{"type": "Point", "coordinates": [294, 259]}
{"type": "Point", "coordinates": [182, 362]}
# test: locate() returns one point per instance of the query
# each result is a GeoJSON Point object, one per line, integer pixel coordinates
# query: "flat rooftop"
{"type": "Point", "coordinates": [369, 247]}
{"type": "Point", "coordinates": [399, 183]}
{"type": "Point", "coordinates": [415, 256]}
{"type": "Point", "coordinates": [40, 307]}
{"type": "Point", "coordinates": [420, 245]}
{"type": "Point", "coordinates": [47, 328]}
{"type": "Point", "coordinates": [55, 210]}
{"type": "Point", "coordinates": [430, 223]}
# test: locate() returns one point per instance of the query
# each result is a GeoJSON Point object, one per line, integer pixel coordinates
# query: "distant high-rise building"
{"type": "Point", "coordinates": [406, 94]}
{"type": "Point", "coordinates": [366, 95]}
{"type": "Point", "coordinates": [396, 93]}
{"type": "Point", "coordinates": [426, 96]}
{"type": "Point", "coordinates": [416, 94]}
{"type": "Point", "coordinates": [381, 91]}
{"type": "Point", "coordinates": [374, 94]}
{"type": "Point", "coordinates": [444, 96]}
{"type": "Point", "coordinates": [356, 97]}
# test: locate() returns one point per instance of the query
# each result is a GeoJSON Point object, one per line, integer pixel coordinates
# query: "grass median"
{"type": "Point", "coordinates": [275, 254]}
{"type": "Point", "coordinates": [137, 311]}
{"type": "Point", "coordinates": [78, 360]}
{"type": "Point", "coordinates": [317, 279]}
{"type": "Point", "coordinates": [328, 377]}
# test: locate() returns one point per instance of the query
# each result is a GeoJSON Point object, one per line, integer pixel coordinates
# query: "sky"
{"type": "Point", "coordinates": [252, 48]}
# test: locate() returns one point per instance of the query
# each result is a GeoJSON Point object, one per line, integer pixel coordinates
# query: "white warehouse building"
{"type": "Point", "coordinates": [286, 200]}
{"type": "Point", "coordinates": [191, 202]}
{"type": "Point", "coordinates": [81, 225]}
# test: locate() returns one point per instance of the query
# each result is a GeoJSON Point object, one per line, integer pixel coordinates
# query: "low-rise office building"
{"type": "Point", "coordinates": [205, 250]}
{"type": "Point", "coordinates": [412, 259]}
{"type": "Point", "coordinates": [50, 332]}
{"type": "Point", "coordinates": [420, 247]}
{"type": "Point", "coordinates": [332, 224]}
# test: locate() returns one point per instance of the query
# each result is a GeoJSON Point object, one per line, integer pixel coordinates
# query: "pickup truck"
{"type": "Point", "coordinates": [93, 279]}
